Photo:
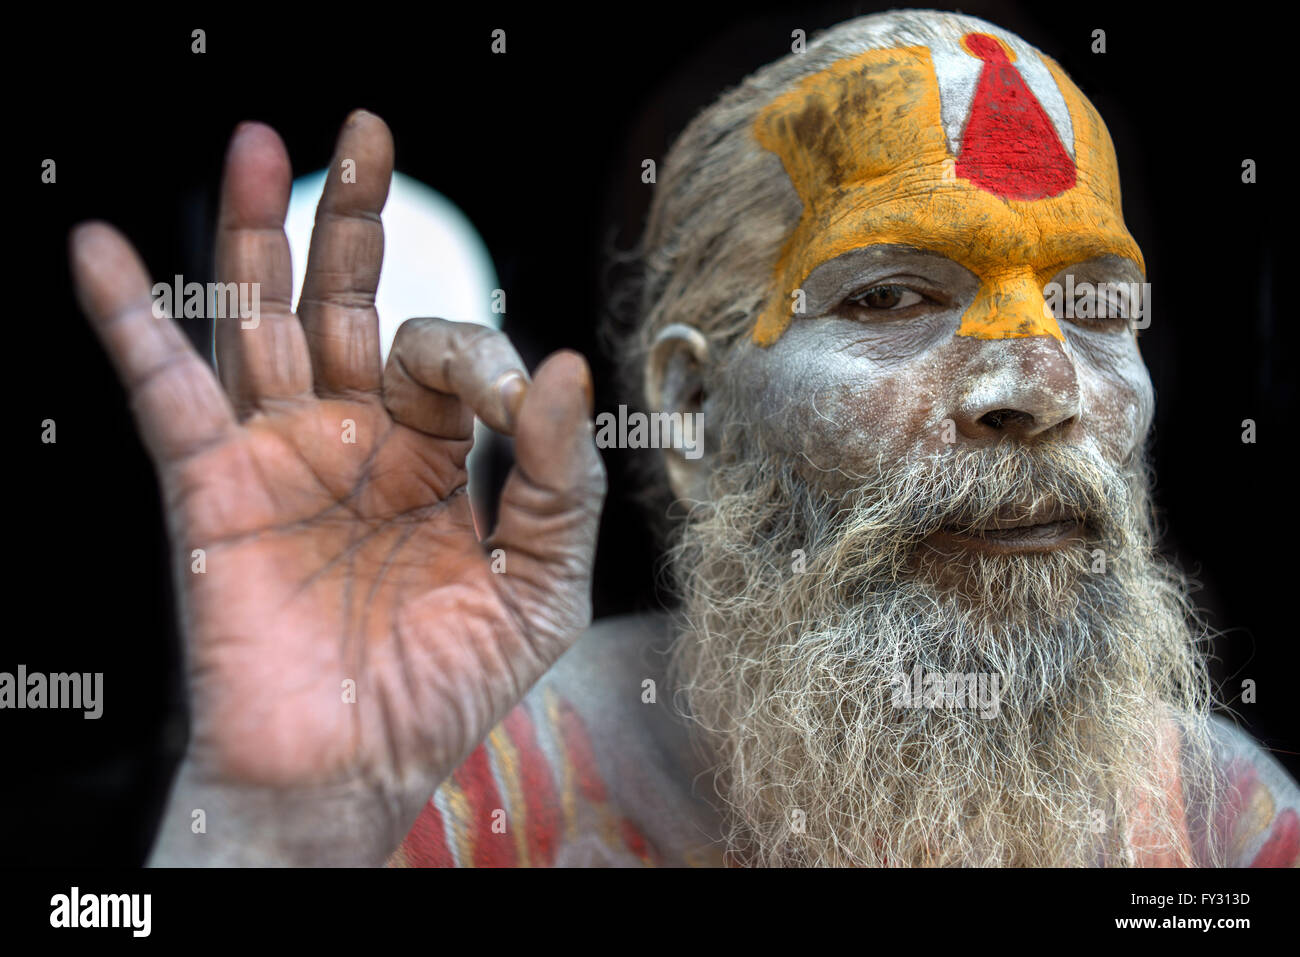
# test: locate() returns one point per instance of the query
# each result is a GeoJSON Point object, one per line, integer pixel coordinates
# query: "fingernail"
{"type": "Point", "coordinates": [513, 388]}
{"type": "Point", "coordinates": [590, 391]}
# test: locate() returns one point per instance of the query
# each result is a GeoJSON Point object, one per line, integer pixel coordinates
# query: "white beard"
{"type": "Point", "coordinates": [794, 676]}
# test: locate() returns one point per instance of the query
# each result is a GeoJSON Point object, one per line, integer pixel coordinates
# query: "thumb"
{"type": "Point", "coordinates": [550, 506]}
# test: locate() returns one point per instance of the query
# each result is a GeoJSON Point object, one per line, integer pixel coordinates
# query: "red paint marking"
{"type": "Point", "coordinates": [577, 744]}
{"type": "Point", "coordinates": [1283, 843]}
{"type": "Point", "coordinates": [426, 844]}
{"type": "Point", "coordinates": [538, 785]}
{"type": "Point", "coordinates": [1010, 147]}
{"type": "Point", "coordinates": [475, 779]}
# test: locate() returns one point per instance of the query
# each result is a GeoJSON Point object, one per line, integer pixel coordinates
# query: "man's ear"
{"type": "Point", "coordinates": [674, 378]}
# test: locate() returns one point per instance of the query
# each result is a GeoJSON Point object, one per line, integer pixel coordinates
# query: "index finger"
{"type": "Point", "coordinates": [179, 405]}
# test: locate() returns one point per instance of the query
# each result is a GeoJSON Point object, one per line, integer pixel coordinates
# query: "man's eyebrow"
{"type": "Point", "coordinates": [837, 275]}
{"type": "Point", "coordinates": [1108, 263]}
{"type": "Point", "coordinates": [830, 282]}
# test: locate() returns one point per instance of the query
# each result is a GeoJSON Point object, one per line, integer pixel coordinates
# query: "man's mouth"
{"type": "Point", "coordinates": [1015, 530]}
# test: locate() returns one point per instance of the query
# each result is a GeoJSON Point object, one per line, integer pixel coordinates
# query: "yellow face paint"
{"type": "Point", "coordinates": [864, 145]}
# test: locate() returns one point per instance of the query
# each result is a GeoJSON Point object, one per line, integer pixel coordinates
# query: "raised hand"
{"type": "Point", "coordinates": [349, 635]}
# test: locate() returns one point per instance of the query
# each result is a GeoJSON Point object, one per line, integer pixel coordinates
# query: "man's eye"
{"type": "Point", "coordinates": [886, 297]}
{"type": "Point", "coordinates": [1103, 306]}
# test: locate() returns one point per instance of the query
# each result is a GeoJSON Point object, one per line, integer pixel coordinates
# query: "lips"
{"type": "Point", "coordinates": [1016, 528]}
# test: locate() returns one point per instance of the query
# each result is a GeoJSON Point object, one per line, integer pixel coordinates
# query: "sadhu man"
{"type": "Point", "coordinates": [921, 620]}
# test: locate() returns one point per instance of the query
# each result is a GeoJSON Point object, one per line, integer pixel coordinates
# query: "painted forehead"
{"type": "Point", "coordinates": [978, 149]}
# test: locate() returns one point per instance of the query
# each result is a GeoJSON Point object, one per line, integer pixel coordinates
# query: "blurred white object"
{"type": "Point", "coordinates": [435, 263]}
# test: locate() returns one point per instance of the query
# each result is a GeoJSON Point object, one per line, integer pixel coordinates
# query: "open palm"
{"type": "Point", "coordinates": [342, 620]}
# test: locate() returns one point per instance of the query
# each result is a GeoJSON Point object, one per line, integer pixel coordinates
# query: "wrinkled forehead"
{"type": "Point", "coordinates": [975, 147]}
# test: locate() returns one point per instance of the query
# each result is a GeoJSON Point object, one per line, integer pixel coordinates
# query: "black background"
{"type": "Point", "coordinates": [542, 149]}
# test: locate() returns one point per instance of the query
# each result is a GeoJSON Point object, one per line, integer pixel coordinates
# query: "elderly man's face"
{"type": "Point", "coordinates": [877, 378]}
{"type": "Point", "coordinates": [919, 321]}
{"type": "Point", "coordinates": [906, 394]}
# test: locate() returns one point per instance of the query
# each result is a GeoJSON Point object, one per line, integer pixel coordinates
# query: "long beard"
{"type": "Point", "coordinates": [810, 621]}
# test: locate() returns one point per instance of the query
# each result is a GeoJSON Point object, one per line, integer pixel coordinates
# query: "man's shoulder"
{"type": "Point", "coordinates": [591, 767]}
{"type": "Point", "coordinates": [609, 666]}
{"type": "Point", "coordinates": [1257, 809]}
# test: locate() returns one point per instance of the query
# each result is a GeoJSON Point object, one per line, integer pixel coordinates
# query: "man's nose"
{"type": "Point", "coordinates": [1021, 389]}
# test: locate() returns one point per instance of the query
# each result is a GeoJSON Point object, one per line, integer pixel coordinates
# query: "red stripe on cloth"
{"type": "Point", "coordinates": [577, 745]}
{"type": "Point", "coordinates": [480, 789]}
{"type": "Point", "coordinates": [637, 843]}
{"type": "Point", "coordinates": [538, 783]}
{"type": "Point", "coordinates": [426, 844]}
{"type": "Point", "coordinates": [1243, 780]}
{"type": "Point", "coordinates": [1283, 843]}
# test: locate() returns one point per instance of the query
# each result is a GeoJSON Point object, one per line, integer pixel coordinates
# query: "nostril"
{"type": "Point", "coordinates": [1005, 418]}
